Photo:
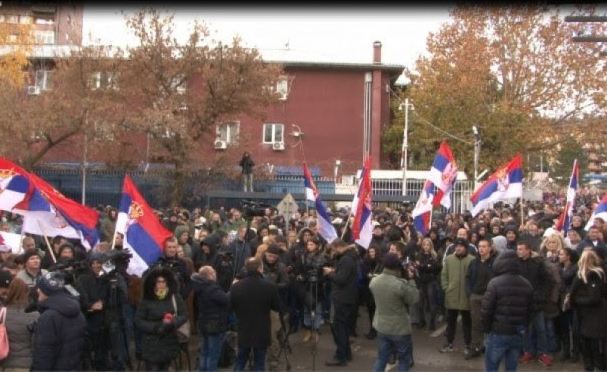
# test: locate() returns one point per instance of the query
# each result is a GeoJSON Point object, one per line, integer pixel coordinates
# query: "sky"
{"type": "Point", "coordinates": [292, 34]}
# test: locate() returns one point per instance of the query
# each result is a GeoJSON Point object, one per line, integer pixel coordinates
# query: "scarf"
{"type": "Point", "coordinates": [161, 294]}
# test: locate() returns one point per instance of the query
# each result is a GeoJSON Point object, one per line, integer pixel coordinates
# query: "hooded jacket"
{"type": "Point", "coordinates": [59, 334]}
{"type": "Point", "coordinates": [159, 341]}
{"type": "Point", "coordinates": [507, 303]}
{"type": "Point", "coordinates": [19, 326]}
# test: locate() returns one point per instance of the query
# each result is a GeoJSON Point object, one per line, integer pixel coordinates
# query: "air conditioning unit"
{"type": "Point", "coordinates": [278, 146]}
{"type": "Point", "coordinates": [33, 90]}
{"type": "Point", "coordinates": [221, 145]}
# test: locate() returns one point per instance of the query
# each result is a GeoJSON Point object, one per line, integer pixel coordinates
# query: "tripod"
{"type": "Point", "coordinates": [283, 339]}
{"type": "Point", "coordinates": [314, 286]}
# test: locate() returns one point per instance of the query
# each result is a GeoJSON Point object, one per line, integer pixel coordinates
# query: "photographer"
{"type": "Point", "coordinates": [344, 295]}
{"type": "Point", "coordinates": [310, 286]}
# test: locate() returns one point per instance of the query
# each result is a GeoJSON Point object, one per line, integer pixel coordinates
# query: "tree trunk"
{"type": "Point", "coordinates": [178, 183]}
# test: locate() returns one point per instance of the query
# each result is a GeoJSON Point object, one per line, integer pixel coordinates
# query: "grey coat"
{"type": "Point", "coordinates": [19, 325]}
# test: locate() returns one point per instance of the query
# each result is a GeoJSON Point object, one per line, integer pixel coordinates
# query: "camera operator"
{"type": "Point", "coordinates": [344, 295]}
{"type": "Point", "coordinates": [310, 286]}
{"type": "Point", "coordinates": [275, 272]}
{"type": "Point", "coordinates": [177, 266]}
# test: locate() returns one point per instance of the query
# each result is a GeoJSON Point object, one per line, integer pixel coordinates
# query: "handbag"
{"type": "Point", "coordinates": [4, 345]}
{"type": "Point", "coordinates": [183, 332]}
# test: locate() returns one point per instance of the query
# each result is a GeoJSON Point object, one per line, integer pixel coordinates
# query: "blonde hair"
{"type": "Point", "coordinates": [589, 262]}
{"type": "Point", "coordinates": [560, 244]}
{"type": "Point", "coordinates": [261, 249]}
{"type": "Point", "coordinates": [432, 251]}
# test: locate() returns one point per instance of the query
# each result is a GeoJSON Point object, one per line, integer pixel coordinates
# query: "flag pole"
{"type": "Point", "coordinates": [114, 240]}
{"type": "Point", "coordinates": [522, 207]}
{"type": "Point", "coordinates": [48, 244]}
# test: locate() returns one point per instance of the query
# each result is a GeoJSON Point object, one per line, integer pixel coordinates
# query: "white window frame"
{"type": "Point", "coordinates": [11, 18]}
{"type": "Point", "coordinates": [42, 79]}
{"type": "Point", "coordinates": [232, 132]}
{"type": "Point", "coordinates": [40, 20]}
{"type": "Point", "coordinates": [103, 80]}
{"type": "Point", "coordinates": [44, 36]}
{"type": "Point", "coordinates": [26, 20]}
{"type": "Point", "coordinates": [282, 87]}
{"type": "Point", "coordinates": [274, 127]}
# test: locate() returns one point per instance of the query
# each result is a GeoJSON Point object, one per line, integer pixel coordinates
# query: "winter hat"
{"type": "Point", "coordinates": [97, 256]}
{"type": "Point", "coordinates": [391, 261]}
{"type": "Point", "coordinates": [273, 249]}
{"type": "Point", "coordinates": [51, 282]}
{"type": "Point", "coordinates": [5, 278]}
{"type": "Point", "coordinates": [460, 241]}
{"type": "Point", "coordinates": [28, 254]}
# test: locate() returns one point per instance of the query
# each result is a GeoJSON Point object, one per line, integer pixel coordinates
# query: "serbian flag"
{"type": "Point", "coordinates": [505, 183]}
{"type": "Point", "coordinates": [423, 209]}
{"type": "Point", "coordinates": [443, 174]}
{"type": "Point", "coordinates": [326, 229]}
{"type": "Point", "coordinates": [143, 233]}
{"type": "Point", "coordinates": [564, 221]}
{"type": "Point", "coordinates": [11, 240]}
{"type": "Point", "coordinates": [599, 212]}
{"type": "Point", "coordinates": [362, 229]}
{"type": "Point", "coordinates": [14, 184]}
{"type": "Point", "coordinates": [48, 212]}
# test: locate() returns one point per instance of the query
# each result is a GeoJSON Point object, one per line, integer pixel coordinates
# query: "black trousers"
{"type": "Point", "coordinates": [593, 354]}
{"type": "Point", "coordinates": [452, 325]}
{"type": "Point", "coordinates": [341, 327]}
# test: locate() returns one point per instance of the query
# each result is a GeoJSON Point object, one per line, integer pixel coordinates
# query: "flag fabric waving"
{"type": "Point", "coordinates": [564, 221]}
{"type": "Point", "coordinates": [143, 233]}
{"type": "Point", "coordinates": [48, 212]}
{"type": "Point", "coordinates": [599, 212]}
{"type": "Point", "coordinates": [422, 212]}
{"type": "Point", "coordinates": [443, 174]}
{"type": "Point", "coordinates": [505, 183]}
{"type": "Point", "coordinates": [362, 229]}
{"type": "Point", "coordinates": [327, 230]}
{"type": "Point", "coordinates": [14, 185]}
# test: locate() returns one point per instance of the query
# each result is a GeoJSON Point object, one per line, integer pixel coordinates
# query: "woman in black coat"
{"type": "Point", "coordinates": [370, 267]}
{"type": "Point", "coordinates": [586, 297]}
{"type": "Point", "coordinates": [567, 321]}
{"type": "Point", "coordinates": [428, 265]}
{"type": "Point", "coordinates": [157, 319]}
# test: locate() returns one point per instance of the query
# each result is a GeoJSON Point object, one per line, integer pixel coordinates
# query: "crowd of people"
{"type": "Point", "coordinates": [523, 291]}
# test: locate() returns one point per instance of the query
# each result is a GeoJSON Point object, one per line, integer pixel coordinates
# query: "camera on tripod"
{"type": "Point", "coordinates": [254, 209]}
{"type": "Point", "coordinates": [115, 258]}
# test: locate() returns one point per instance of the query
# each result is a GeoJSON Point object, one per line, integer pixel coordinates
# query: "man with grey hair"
{"type": "Point", "coordinates": [213, 307]}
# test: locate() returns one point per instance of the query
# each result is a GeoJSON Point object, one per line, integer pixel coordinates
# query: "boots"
{"type": "Point", "coordinates": [307, 335]}
{"type": "Point", "coordinates": [565, 348]}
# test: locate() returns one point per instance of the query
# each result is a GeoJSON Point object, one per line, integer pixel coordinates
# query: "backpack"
{"type": "Point", "coordinates": [4, 345]}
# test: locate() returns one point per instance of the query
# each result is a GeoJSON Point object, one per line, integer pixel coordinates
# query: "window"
{"type": "Point", "coordinates": [228, 132]}
{"type": "Point", "coordinates": [12, 19]}
{"type": "Point", "coordinates": [25, 20]}
{"type": "Point", "coordinates": [273, 133]}
{"type": "Point", "coordinates": [43, 79]}
{"type": "Point", "coordinates": [282, 87]}
{"type": "Point", "coordinates": [103, 80]}
{"type": "Point", "coordinates": [44, 37]}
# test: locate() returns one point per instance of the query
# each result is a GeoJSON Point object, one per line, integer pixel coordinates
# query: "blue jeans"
{"type": "Point", "coordinates": [502, 347]}
{"type": "Point", "coordinates": [387, 345]}
{"type": "Point", "coordinates": [535, 341]}
{"type": "Point", "coordinates": [210, 351]}
{"type": "Point", "coordinates": [259, 358]}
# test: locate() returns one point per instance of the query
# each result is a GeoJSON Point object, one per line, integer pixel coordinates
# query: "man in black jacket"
{"type": "Point", "coordinates": [213, 307]}
{"type": "Point", "coordinates": [533, 268]}
{"type": "Point", "coordinates": [505, 312]}
{"type": "Point", "coordinates": [252, 299]}
{"type": "Point", "coordinates": [177, 266]}
{"type": "Point", "coordinates": [479, 274]}
{"type": "Point", "coordinates": [344, 296]}
{"type": "Point", "coordinates": [59, 335]}
{"type": "Point", "coordinates": [247, 164]}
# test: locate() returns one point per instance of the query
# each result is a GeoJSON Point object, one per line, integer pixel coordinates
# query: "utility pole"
{"type": "Point", "coordinates": [405, 148]}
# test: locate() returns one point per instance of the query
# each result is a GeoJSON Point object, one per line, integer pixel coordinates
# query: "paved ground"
{"type": "Point", "coordinates": [425, 353]}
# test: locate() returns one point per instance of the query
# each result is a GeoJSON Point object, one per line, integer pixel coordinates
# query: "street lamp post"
{"type": "Point", "coordinates": [477, 151]}
{"type": "Point", "coordinates": [405, 148]}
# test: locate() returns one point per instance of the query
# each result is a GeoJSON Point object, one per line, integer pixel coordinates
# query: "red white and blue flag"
{"type": "Point", "coordinates": [599, 212]}
{"type": "Point", "coordinates": [143, 233]}
{"type": "Point", "coordinates": [326, 229]}
{"type": "Point", "coordinates": [564, 221]}
{"type": "Point", "coordinates": [362, 228]}
{"type": "Point", "coordinates": [48, 212]}
{"type": "Point", "coordinates": [422, 213]}
{"type": "Point", "coordinates": [505, 183]}
{"type": "Point", "coordinates": [14, 185]}
{"type": "Point", "coordinates": [443, 174]}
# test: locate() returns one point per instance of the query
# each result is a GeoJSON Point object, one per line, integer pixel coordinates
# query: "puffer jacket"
{"type": "Point", "coordinates": [159, 343]}
{"type": "Point", "coordinates": [392, 296]}
{"type": "Point", "coordinates": [552, 308]}
{"type": "Point", "coordinates": [213, 305]}
{"type": "Point", "coordinates": [507, 303]}
{"type": "Point", "coordinates": [59, 334]}
{"type": "Point", "coordinates": [453, 281]}
{"type": "Point", "coordinates": [19, 326]}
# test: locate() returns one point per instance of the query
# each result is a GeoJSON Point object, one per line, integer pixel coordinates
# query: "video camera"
{"type": "Point", "coordinates": [115, 258]}
{"type": "Point", "coordinates": [252, 208]}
